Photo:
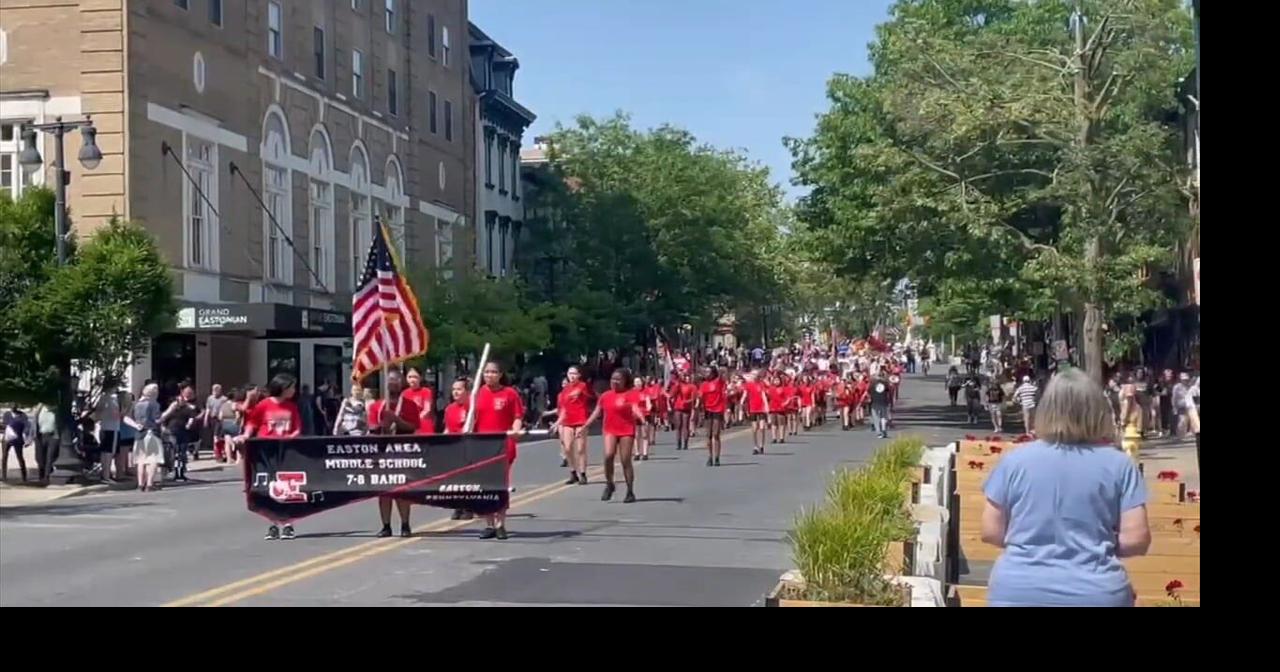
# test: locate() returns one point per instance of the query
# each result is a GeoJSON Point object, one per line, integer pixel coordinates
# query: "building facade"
{"type": "Point", "coordinates": [500, 123]}
{"type": "Point", "coordinates": [259, 141]}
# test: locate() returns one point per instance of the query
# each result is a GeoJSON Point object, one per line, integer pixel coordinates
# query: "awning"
{"type": "Point", "coordinates": [274, 320]}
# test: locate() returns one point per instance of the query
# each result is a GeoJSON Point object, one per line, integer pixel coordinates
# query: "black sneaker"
{"type": "Point", "coordinates": [710, 462]}
{"type": "Point", "coordinates": [384, 532]}
{"type": "Point", "coordinates": [405, 530]}
{"type": "Point", "coordinates": [573, 478]}
{"type": "Point", "coordinates": [717, 461]}
{"type": "Point", "coordinates": [286, 532]}
{"type": "Point", "coordinates": [564, 463]}
{"type": "Point", "coordinates": [457, 514]}
{"type": "Point", "coordinates": [608, 492]}
{"type": "Point", "coordinates": [501, 533]}
{"type": "Point", "coordinates": [273, 533]}
{"type": "Point", "coordinates": [488, 533]}
{"type": "Point", "coordinates": [582, 479]}
{"type": "Point", "coordinates": [644, 458]}
{"type": "Point", "coordinates": [755, 451]}
{"type": "Point", "coordinates": [630, 498]}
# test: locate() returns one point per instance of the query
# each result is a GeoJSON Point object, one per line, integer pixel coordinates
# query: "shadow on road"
{"type": "Point", "coordinates": [71, 509]}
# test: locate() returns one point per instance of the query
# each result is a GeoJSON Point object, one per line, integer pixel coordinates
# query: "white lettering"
{"type": "Point", "coordinates": [388, 479]}
{"type": "Point", "coordinates": [345, 463]}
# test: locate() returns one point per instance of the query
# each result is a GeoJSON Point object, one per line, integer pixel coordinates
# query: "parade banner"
{"type": "Point", "coordinates": [289, 479]}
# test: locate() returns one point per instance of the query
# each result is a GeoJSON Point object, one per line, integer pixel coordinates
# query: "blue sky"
{"type": "Point", "coordinates": [737, 73]}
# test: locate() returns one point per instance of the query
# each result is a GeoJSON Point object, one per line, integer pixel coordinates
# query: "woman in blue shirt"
{"type": "Point", "coordinates": [1067, 507]}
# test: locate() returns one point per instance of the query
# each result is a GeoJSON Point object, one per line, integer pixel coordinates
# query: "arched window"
{"type": "Point", "coordinates": [361, 214]}
{"type": "Point", "coordinates": [321, 211]}
{"type": "Point", "coordinates": [277, 220]}
{"type": "Point", "coordinates": [393, 213]}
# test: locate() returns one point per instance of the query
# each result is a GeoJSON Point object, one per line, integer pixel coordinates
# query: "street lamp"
{"type": "Point", "coordinates": [67, 466]}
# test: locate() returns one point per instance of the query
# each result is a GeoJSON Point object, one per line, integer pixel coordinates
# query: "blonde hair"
{"type": "Point", "coordinates": [1075, 411]}
{"type": "Point", "coordinates": [151, 391]}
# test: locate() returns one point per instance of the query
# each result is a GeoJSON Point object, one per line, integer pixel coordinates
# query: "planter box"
{"type": "Point", "coordinates": [1166, 492]}
{"type": "Point", "coordinates": [776, 598]}
{"type": "Point", "coordinates": [899, 558]}
{"type": "Point", "coordinates": [1173, 565]}
{"type": "Point", "coordinates": [967, 596]}
{"type": "Point", "coordinates": [1174, 527]}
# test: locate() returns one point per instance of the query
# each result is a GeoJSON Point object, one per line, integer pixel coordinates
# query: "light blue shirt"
{"type": "Point", "coordinates": [1063, 505]}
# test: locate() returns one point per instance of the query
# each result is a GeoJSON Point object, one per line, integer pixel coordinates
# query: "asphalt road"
{"type": "Point", "coordinates": [698, 536]}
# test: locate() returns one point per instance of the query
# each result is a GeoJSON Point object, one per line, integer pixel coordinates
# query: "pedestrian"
{"type": "Point", "coordinates": [127, 438]}
{"type": "Point", "coordinates": [307, 407]}
{"type": "Point", "coordinates": [107, 413]}
{"type": "Point", "coordinates": [1066, 508]}
{"type": "Point", "coordinates": [621, 417]}
{"type": "Point", "coordinates": [498, 409]}
{"type": "Point", "coordinates": [455, 422]}
{"type": "Point", "coordinates": [180, 422]}
{"type": "Point", "coordinates": [995, 404]}
{"type": "Point", "coordinates": [46, 440]}
{"type": "Point", "coordinates": [880, 396]}
{"type": "Point", "coordinates": [640, 396]}
{"type": "Point", "coordinates": [352, 419]}
{"type": "Point", "coordinates": [227, 426]}
{"type": "Point", "coordinates": [573, 405]}
{"type": "Point", "coordinates": [713, 400]}
{"type": "Point", "coordinates": [209, 420]}
{"type": "Point", "coordinates": [148, 447]}
{"type": "Point", "coordinates": [396, 414]}
{"type": "Point", "coordinates": [1191, 406]}
{"type": "Point", "coordinates": [16, 430]}
{"type": "Point", "coordinates": [1025, 395]}
{"type": "Point", "coordinates": [953, 383]}
{"type": "Point", "coordinates": [423, 397]}
{"type": "Point", "coordinates": [973, 396]}
{"type": "Point", "coordinates": [757, 403]}
{"type": "Point", "coordinates": [276, 416]}
{"type": "Point", "coordinates": [683, 392]}
{"type": "Point", "coordinates": [1179, 401]}
{"type": "Point", "coordinates": [1164, 400]}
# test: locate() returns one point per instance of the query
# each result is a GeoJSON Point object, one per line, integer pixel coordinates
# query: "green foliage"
{"type": "Point", "coordinates": [969, 164]}
{"type": "Point", "coordinates": [840, 546]}
{"type": "Point", "coordinates": [469, 310]}
{"type": "Point", "coordinates": [101, 310]}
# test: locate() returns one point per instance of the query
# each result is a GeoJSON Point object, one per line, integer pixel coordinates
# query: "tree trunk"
{"type": "Point", "coordinates": [1093, 360]}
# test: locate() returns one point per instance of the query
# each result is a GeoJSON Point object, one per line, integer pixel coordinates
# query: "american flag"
{"type": "Point", "coordinates": [388, 326]}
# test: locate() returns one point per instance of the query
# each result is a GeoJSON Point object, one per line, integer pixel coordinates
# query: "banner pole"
{"type": "Point", "coordinates": [475, 390]}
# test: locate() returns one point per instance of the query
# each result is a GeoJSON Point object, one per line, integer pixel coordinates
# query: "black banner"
{"type": "Point", "coordinates": [289, 479]}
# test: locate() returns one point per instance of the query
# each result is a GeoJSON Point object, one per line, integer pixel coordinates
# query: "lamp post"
{"type": "Point", "coordinates": [67, 467]}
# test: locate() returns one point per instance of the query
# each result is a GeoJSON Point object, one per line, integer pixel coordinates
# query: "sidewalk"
{"type": "Point", "coordinates": [13, 493]}
{"type": "Point", "coordinates": [1171, 454]}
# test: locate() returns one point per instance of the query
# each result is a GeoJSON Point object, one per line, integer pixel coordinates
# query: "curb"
{"type": "Point", "coordinates": [65, 494]}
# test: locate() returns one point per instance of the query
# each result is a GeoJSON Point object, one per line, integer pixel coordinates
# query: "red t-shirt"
{"type": "Point", "coordinates": [777, 398]}
{"type": "Point", "coordinates": [806, 395]}
{"type": "Point", "coordinates": [455, 417]}
{"type": "Point", "coordinates": [640, 397]}
{"type": "Point", "coordinates": [272, 418]}
{"type": "Point", "coordinates": [790, 395]}
{"type": "Point", "coordinates": [713, 398]}
{"type": "Point", "coordinates": [426, 401]}
{"type": "Point", "coordinates": [755, 396]}
{"type": "Point", "coordinates": [619, 419]}
{"type": "Point", "coordinates": [408, 411]}
{"type": "Point", "coordinates": [497, 411]}
{"type": "Point", "coordinates": [574, 404]}
{"type": "Point", "coordinates": [683, 396]}
{"type": "Point", "coordinates": [656, 397]}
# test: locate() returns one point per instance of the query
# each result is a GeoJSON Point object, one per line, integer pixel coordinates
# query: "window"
{"type": "Point", "coordinates": [215, 12]}
{"type": "Point", "coordinates": [13, 177]}
{"type": "Point", "coordinates": [393, 98]}
{"type": "Point", "coordinates": [357, 73]}
{"type": "Point", "coordinates": [431, 111]}
{"type": "Point", "coordinates": [502, 166]}
{"type": "Point", "coordinates": [318, 40]}
{"type": "Point", "coordinates": [199, 191]}
{"type": "Point", "coordinates": [183, 4]}
{"type": "Point", "coordinates": [444, 45]}
{"type": "Point", "coordinates": [515, 171]}
{"type": "Point", "coordinates": [275, 30]}
{"type": "Point", "coordinates": [322, 234]}
{"type": "Point", "coordinates": [390, 16]}
{"type": "Point", "coordinates": [488, 159]}
{"type": "Point", "coordinates": [393, 214]}
{"type": "Point", "coordinates": [4, 47]}
{"type": "Point", "coordinates": [277, 198]}
{"type": "Point", "coordinates": [361, 218]}
{"type": "Point", "coordinates": [444, 248]}
{"type": "Point", "coordinates": [431, 35]}
{"type": "Point", "coordinates": [448, 120]}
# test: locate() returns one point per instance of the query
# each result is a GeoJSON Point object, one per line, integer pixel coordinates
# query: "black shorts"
{"type": "Point", "coordinates": [714, 415]}
{"type": "Point", "coordinates": [759, 417]}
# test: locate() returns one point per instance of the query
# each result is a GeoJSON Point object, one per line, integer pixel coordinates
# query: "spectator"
{"type": "Point", "coordinates": [1179, 401]}
{"type": "Point", "coordinates": [16, 430]}
{"type": "Point", "coordinates": [126, 438]}
{"type": "Point", "coordinates": [953, 383]}
{"type": "Point", "coordinates": [352, 420]}
{"type": "Point", "coordinates": [1025, 395]}
{"type": "Point", "coordinates": [1066, 508]}
{"type": "Point", "coordinates": [1164, 396]}
{"type": "Point", "coordinates": [209, 419]}
{"type": "Point", "coordinates": [995, 404]}
{"type": "Point", "coordinates": [148, 448]}
{"type": "Point", "coordinates": [880, 398]}
{"type": "Point", "coordinates": [180, 421]}
{"type": "Point", "coordinates": [46, 440]}
{"type": "Point", "coordinates": [107, 412]}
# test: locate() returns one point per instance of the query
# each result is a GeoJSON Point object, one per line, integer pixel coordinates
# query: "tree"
{"type": "Point", "coordinates": [651, 228]}
{"type": "Point", "coordinates": [1018, 142]}
{"type": "Point", "coordinates": [101, 310]}
{"type": "Point", "coordinates": [469, 310]}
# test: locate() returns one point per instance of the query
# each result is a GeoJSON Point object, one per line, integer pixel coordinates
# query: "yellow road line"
{"type": "Point", "coordinates": [231, 592]}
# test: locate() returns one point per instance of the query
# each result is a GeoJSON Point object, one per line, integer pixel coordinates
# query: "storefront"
{"type": "Point", "coordinates": [241, 344]}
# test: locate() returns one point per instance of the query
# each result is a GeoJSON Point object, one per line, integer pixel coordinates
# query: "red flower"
{"type": "Point", "coordinates": [1172, 587]}
{"type": "Point", "coordinates": [1196, 529]}
{"type": "Point", "coordinates": [1167, 475]}
{"type": "Point", "coordinates": [996, 450]}
{"type": "Point", "coordinates": [975, 464]}
{"type": "Point", "coordinates": [1177, 522]}
{"type": "Point", "coordinates": [1193, 495]}
{"type": "Point", "coordinates": [1023, 438]}
{"type": "Point", "coordinates": [970, 437]}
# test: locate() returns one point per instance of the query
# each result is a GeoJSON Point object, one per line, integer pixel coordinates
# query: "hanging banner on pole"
{"type": "Point", "coordinates": [289, 479]}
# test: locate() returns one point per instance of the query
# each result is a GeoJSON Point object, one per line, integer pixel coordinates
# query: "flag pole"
{"type": "Point", "coordinates": [475, 390]}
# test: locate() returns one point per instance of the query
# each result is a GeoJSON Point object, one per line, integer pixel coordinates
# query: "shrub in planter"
{"type": "Point", "coordinates": [841, 553]}
{"type": "Point", "coordinates": [899, 456]}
